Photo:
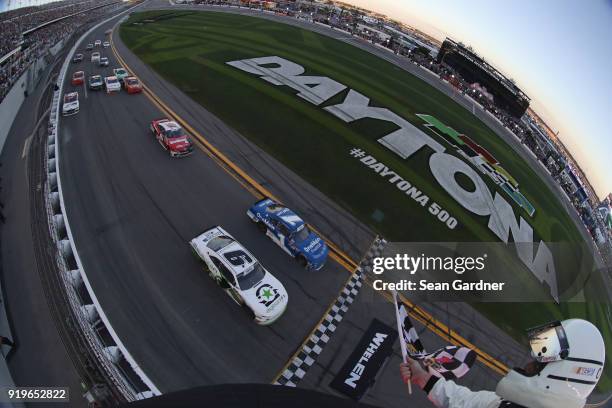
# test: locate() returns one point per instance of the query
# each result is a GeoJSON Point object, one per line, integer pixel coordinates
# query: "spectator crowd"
{"type": "Point", "coordinates": [350, 20]}
{"type": "Point", "coordinates": [36, 44]}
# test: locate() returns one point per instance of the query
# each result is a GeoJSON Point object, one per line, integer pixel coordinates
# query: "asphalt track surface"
{"type": "Point", "coordinates": [132, 210]}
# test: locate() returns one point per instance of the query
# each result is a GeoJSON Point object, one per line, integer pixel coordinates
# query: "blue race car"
{"type": "Point", "coordinates": [289, 232]}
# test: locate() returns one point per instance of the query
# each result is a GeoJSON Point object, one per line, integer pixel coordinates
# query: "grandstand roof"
{"type": "Point", "coordinates": [412, 39]}
{"type": "Point", "coordinates": [479, 61]}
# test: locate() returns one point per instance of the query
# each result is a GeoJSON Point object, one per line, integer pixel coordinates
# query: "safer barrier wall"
{"type": "Point", "coordinates": [89, 313]}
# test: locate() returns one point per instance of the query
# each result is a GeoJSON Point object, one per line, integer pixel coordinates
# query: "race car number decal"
{"type": "Point", "coordinates": [238, 258]}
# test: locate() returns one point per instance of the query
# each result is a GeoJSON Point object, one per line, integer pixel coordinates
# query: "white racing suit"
{"type": "Point", "coordinates": [447, 394]}
{"type": "Point", "coordinates": [511, 392]}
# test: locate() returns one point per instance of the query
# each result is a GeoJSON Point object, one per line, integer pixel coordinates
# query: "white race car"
{"type": "Point", "coordinates": [112, 84]}
{"type": "Point", "coordinates": [71, 104]}
{"type": "Point", "coordinates": [241, 275]}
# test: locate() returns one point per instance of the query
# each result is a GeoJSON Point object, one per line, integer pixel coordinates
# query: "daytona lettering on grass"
{"type": "Point", "coordinates": [404, 186]}
{"type": "Point", "coordinates": [405, 142]}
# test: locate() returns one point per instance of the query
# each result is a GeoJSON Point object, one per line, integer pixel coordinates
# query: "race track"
{"type": "Point", "coordinates": [132, 210]}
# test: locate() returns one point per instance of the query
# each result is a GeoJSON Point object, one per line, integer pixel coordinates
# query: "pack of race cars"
{"type": "Point", "coordinates": [120, 78]}
{"type": "Point", "coordinates": [228, 263]}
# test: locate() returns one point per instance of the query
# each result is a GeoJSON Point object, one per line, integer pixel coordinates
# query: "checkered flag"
{"type": "Point", "coordinates": [450, 362]}
{"type": "Point", "coordinates": [414, 347]}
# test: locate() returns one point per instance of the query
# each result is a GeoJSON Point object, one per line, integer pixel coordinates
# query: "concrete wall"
{"type": "Point", "coordinates": [10, 106]}
{"type": "Point", "coordinates": [34, 73]}
{"type": "Point", "coordinates": [57, 48]}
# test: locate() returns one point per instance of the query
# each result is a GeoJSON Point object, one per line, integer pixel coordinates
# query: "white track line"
{"type": "Point", "coordinates": [94, 299]}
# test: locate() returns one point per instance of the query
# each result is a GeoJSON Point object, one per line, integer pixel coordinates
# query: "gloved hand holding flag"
{"type": "Point", "coordinates": [450, 362]}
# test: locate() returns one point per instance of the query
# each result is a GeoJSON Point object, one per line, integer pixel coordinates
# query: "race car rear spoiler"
{"type": "Point", "coordinates": [210, 229]}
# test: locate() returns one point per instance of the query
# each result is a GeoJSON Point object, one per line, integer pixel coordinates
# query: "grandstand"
{"type": "Point", "coordinates": [29, 32]}
{"type": "Point", "coordinates": [476, 70]}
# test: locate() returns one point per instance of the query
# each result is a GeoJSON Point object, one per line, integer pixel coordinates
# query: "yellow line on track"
{"type": "Point", "coordinates": [335, 253]}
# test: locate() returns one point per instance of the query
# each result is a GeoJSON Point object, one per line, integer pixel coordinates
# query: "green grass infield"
{"type": "Point", "coordinates": [191, 50]}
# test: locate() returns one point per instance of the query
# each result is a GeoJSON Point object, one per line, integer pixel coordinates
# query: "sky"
{"type": "Point", "coordinates": [559, 52]}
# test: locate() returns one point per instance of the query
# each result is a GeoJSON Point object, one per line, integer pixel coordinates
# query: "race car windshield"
{"type": "Point", "coordinates": [274, 208]}
{"type": "Point", "coordinates": [132, 82]}
{"type": "Point", "coordinates": [178, 132]}
{"type": "Point", "coordinates": [219, 242]}
{"type": "Point", "coordinates": [70, 98]}
{"type": "Point", "coordinates": [247, 281]}
{"type": "Point", "coordinates": [302, 234]}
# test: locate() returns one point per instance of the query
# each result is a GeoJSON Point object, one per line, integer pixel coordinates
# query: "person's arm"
{"type": "Point", "coordinates": [444, 393]}
{"type": "Point", "coordinates": [447, 394]}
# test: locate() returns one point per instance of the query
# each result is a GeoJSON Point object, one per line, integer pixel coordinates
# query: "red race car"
{"type": "Point", "coordinates": [132, 85]}
{"type": "Point", "coordinates": [172, 137]}
{"type": "Point", "coordinates": [78, 78]}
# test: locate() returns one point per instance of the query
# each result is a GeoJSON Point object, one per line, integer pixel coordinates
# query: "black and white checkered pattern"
{"type": "Point", "coordinates": [450, 362]}
{"type": "Point", "coordinates": [375, 251]}
{"type": "Point", "coordinates": [411, 337]}
{"type": "Point", "coordinates": [310, 350]}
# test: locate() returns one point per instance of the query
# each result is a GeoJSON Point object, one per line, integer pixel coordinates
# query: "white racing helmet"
{"type": "Point", "coordinates": [571, 353]}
